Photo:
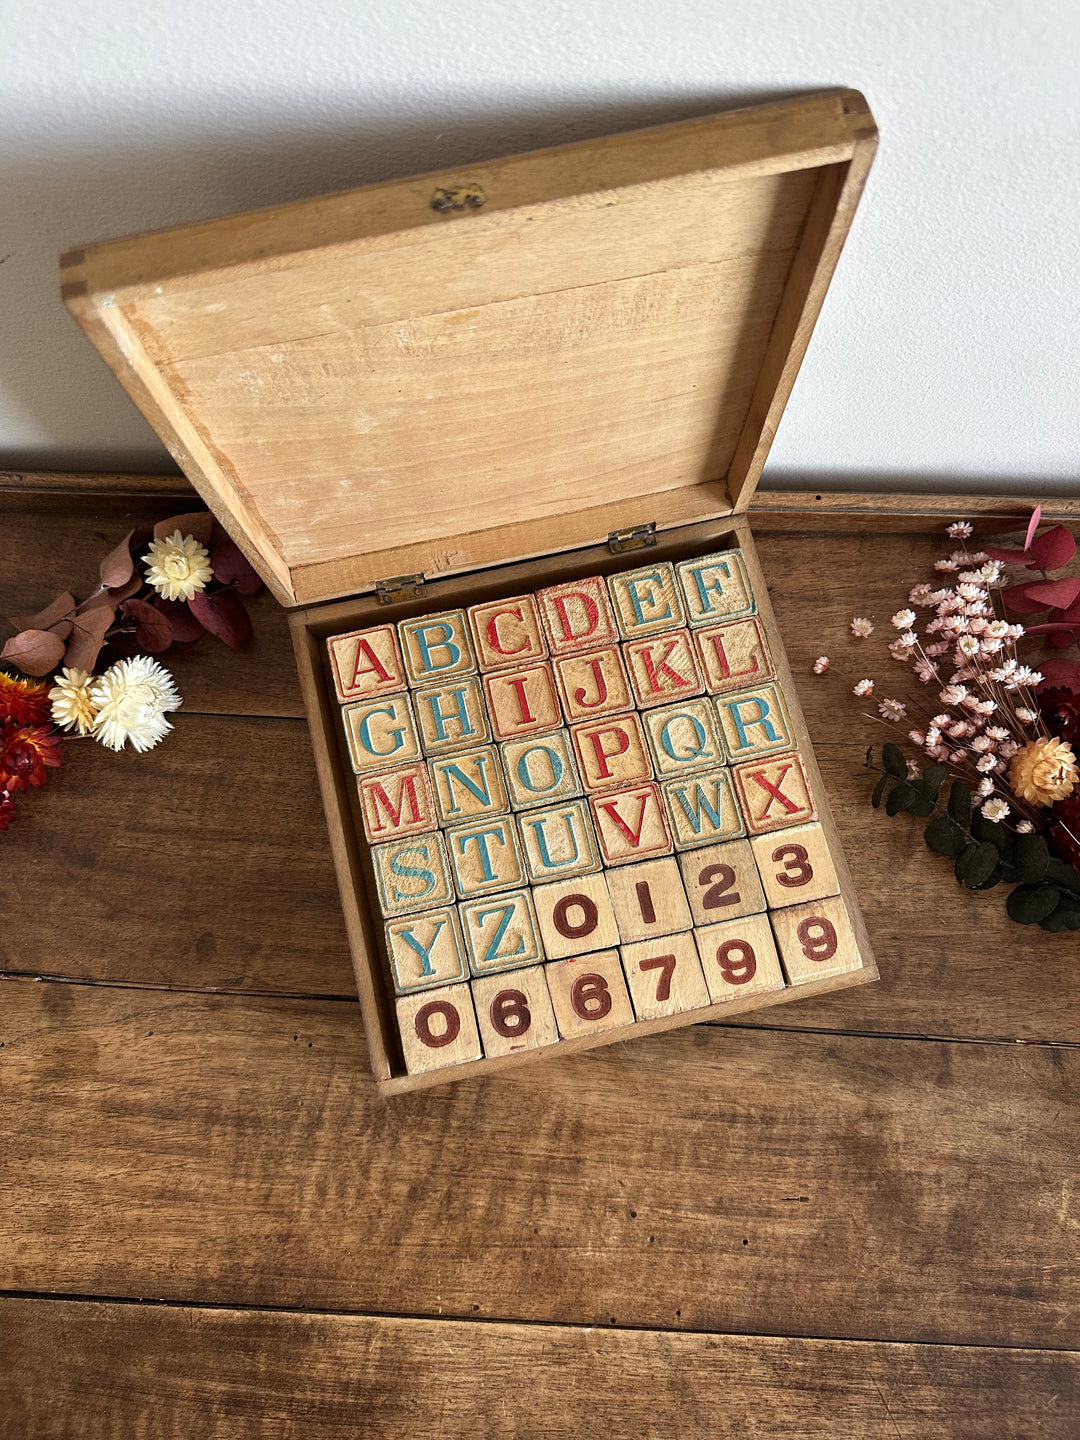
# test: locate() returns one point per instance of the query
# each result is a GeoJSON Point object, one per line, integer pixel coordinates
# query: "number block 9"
{"type": "Point", "coordinates": [664, 976]}
{"type": "Point", "coordinates": [438, 1029]}
{"type": "Point", "coordinates": [816, 940]}
{"type": "Point", "coordinates": [739, 958]}
{"type": "Point", "coordinates": [795, 866]}
{"type": "Point", "coordinates": [588, 994]}
{"type": "Point", "coordinates": [722, 882]}
{"type": "Point", "coordinates": [514, 1012]}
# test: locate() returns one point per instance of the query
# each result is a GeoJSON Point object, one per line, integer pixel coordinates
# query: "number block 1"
{"type": "Point", "coordinates": [816, 940]}
{"type": "Point", "coordinates": [588, 994]}
{"type": "Point", "coordinates": [664, 976]}
{"type": "Point", "coordinates": [514, 1012]}
{"type": "Point", "coordinates": [739, 958]}
{"type": "Point", "coordinates": [438, 1029]}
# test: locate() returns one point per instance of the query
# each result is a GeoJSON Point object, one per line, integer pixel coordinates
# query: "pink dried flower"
{"type": "Point", "coordinates": [913, 771]}
{"type": "Point", "coordinates": [900, 650]}
{"type": "Point", "coordinates": [1026, 716]}
{"type": "Point", "coordinates": [821, 664]}
{"type": "Point", "coordinates": [985, 787]}
{"type": "Point", "coordinates": [864, 687]}
{"type": "Point", "coordinates": [920, 595]}
{"type": "Point", "coordinates": [946, 565]}
{"type": "Point", "coordinates": [904, 619]}
{"type": "Point", "coordinates": [861, 627]}
{"type": "Point", "coordinates": [925, 671]}
{"type": "Point", "coordinates": [918, 737]}
{"type": "Point", "coordinates": [892, 710]}
{"type": "Point", "coordinates": [1024, 827]}
{"type": "Point", "coordinates": [958, 530]}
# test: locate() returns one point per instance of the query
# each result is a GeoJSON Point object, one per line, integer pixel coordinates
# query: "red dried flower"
{"type": "Point", "coordinates": [1060, 710]}
{"type": "Point", "coordinates": [1065, 829]}
{"type": "Point", "coordinates": [25, 753]}
{"type": "Point", "coordinates": [7, 810]}
{"type": "Point", "coordinates": [24, 702]}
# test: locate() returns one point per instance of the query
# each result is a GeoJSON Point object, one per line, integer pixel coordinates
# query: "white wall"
{"type": "Point", "coordinates": [949, 350]}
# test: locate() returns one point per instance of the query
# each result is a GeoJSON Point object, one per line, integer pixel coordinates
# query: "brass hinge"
{"type": "Point", "coordinates": [634, 537]}
{"type": "Point", "coordinates": [400, 587]}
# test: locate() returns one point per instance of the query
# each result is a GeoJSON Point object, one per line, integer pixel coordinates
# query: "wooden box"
{"type": "Point", "coordinates": [418, 396]}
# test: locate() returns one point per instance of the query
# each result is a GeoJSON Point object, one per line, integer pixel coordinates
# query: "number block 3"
{"type": "Point", "coordinates": [588, 993]}
{"type": "Point", "coordinates": [664, 976]}
{"type": "Point", "coordinates": [722, 882]}
{"type": "Point", "coordinates": [795, 866]}
{"type": "Point", "coordinates": [438, 1028]}
{"type": "Point", "coordinates": [816, 940]}
{"type": "Point", "coordinates": [739, 958]}
{"type": "Point", "coordinates": [514, 1012]}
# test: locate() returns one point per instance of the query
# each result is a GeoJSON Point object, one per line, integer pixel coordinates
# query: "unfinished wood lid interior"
{"type": "Point", "coordinates": [490, 363]}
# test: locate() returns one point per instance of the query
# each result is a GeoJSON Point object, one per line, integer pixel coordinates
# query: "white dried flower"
{"type": "Point", "coordinates": [821, 664]}
{"type": "Point", "coordinates": [131, 701]}
{"type": "Point", "coordinates": [933, 736]}
{"type": "Point", "coordinates": [999, 629]}
{"type": "Point", "coordinates": [968, 645]}
{"type": "Point", "coordinates": [958, 530]}
{"type": "Point", "coordinates": [953, 695]}
{"type": "Point", "coordinates": [946, 565]}
{"type": "Point", "coordinates": [918, 737]}
{"type": "Point", "coordinates": [72, 706]}
{"type": "Point", "coordinates": [178, 567]}
{"type": "Point", "coordinates": [904, 619]}
{"type": "Point", "coordinates": [982, 743]}
{"type": "Point", "coordinates": [986, 763]}
{"type": "Point", "coordinates": [913, 771]}
{"type": "Point", "coordinates": [864, 687]}
{"type": "Point", "coordinates": [995, 810]}
{"type": "Point", "coordinates": [997, 732]}
{"type": "Point", "coordinates": [892, 710]}
{"type": "Point", "coordinates": [1026, 716]}
{"type": "Point", "coordinates": [920, 594]}
{"type": "Point", "coordinates": [1024, 827]}
{"type": "Point", "coordinates": [861, 627]}
{"type": "Point", "coordinates": [985, 787]}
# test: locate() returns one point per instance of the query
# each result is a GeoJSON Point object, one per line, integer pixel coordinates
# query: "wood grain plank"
{"type": "Point", "coordinates": [97, 1371]}
{"type": "Point", "coordinates": [233, 1150]}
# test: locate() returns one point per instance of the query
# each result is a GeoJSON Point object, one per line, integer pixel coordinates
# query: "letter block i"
{"type": "Point", "coordinates": [773, 793]}
{"type": "Point", "coordinates": [630, 824]}
{"type": "Point", "coordinates": [663, 668]}
{"type": "Point", "coordinates": [501, 932]}
{"type": "Point", "coordinates": [733, 656]}
{"type": "Point", "coordinates": [412, 874]}
{"type": "Point", "coordinates": [577, 616]}
{"type": "Point", "coordinates": [522, 701]}
{"type": "Point", "coordinates": [395, 803]}
{"type": "Point", "coordinates": [436, 647]}
{"type": "Point", "coordinates": [426, 950]}
{"type": "Point", "coordinates": [507, 632]}
{"type": "Point", "coordinates": [381, 733]}
{"type": "Point", "coordinates": [366, 663]}
{"type": "Point", "coordinates": [716, 588]}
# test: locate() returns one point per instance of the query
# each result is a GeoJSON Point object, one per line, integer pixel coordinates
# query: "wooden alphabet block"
{"type": "Point", "coordinates": [501, 932]}
{"type": "Point", "coordinates": [649, 899]}
{"type": "Point", "coordinates": [702, 810]}
{"type": "Point", "coordinates": [485, 856]}
{"type": "Point", "coordinates": [593, 683]}
{"type": "Point", "coordinates": [559, 842]}
{"type": "Point", "coordinates": [522, 702]}
{"type": "Point", "coordinates": [647, 600]}
{"type": "Point", "coordinates": [514, 1012]}
{"type": "Point", "coordinates": [381, 733]}
{"type": "Point", "coordinates": [739, 958]}
{"type": "Point", "coordinates": [664, 976]}
{"type": "Point", "coordinates": [588, 993]}
{"type": "Point", "coordinates": [611, 752]}
{"type": "Point", "coordinates": [716, 588]}
{"type": "Point", "coordinates": [426, 950]}
{"type": "Point", "coordinates": [412, 874]}
{"type": "Point", "coordinates": [395, 803]}
{"type": "Point", "coordinates": [773, 794]}
{"type": "Point", "coordinates": [575, 916]}
{"type": "Point", "coordinates": [436, 647]}
{"type": "Point", "coordinates": [754, 722]}
{"type": "Point", "coordinates": [577, 615]}
{"type": "Point", "coordinates": [630, 824]}
{"type": "Point", "coordinates": [684, 738]}
{"type": "Point", "coordinates": [451, 716]}
{"type": "Point", "coordinates": [540, 770]}
{"type": "Point", "coordinates": [795, 866]}
{"type": "Point", "coordinates": [733, 656]}
{"type": "Point", "coordinates": [366, 663]}
{"type": "Point", "coordinates": [468, 784]}
{"type": "Point", "coordinates": [722, 882]}
{"type": "Point", "coordinates": [507, 632]}
{"type": "Point", "coordinates": [438, 1029]}
{"type": "Point", "coordinates": [663, 668]}
{"type": "Point", "coordinates": [816, 940]}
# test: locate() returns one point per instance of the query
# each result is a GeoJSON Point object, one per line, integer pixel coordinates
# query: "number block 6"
{"type": "Point", "coordinates": [739, 958]}
{"type": "Point", "coordinates": [722, 882]}
{"type": "Point", "coordinates": [816, 940]}
{"type": "Point", "coordinates": [588, 994]}
{"type": "Point", "coordinates": [514, 1012]}
{"type": "Point", "coordinates": [795, 866]}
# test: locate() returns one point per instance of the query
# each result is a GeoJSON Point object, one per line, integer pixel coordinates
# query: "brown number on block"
{"type": "Point", "coordinates": [666, 965]}
{"type": "Point", "coordinates": [721, 892]}
{"type": "Point", "coordinates": [796, 863]}
{"type": "Point", "coordinates": [560, 916]}
{"type": "Point", "coordinates": [817, 936]}
{"type": "Point", "coordinates": [590, 997]}
{"type": "Point", "coordinates": [644, 900]}
{"type": "Point", "coordinates": [422, 1024]}
{"type": "Point", "coordinates": [510, 1015]}
{"type": "Point", "coordinates": [737, 961]}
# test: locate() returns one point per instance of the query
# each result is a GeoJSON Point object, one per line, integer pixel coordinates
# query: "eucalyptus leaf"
{"type": "Point", "coordinates": [979, 864]}
{"type": "Point", "coordinates": [960, 803]}
{"type": "Point", "coordinates": [879, 790]}
{"type": "Point", "coordinates": [994, 878]}
{"type": "Point", "coordinates": [988, 831]}
{"type": "Point", "coordinates": [921, 806]}
{"type": "Point", "coordinates": [963, 859]}
{"type": "Point", "coordinates": [1064, 874]}
{"type": "Point", "coordinates": [933, 777]}
{"type": "Point", "coordinates": [901, 797]}
{"type": "Point", "coordinates": [1028, 904]}
{"type": "Point", "coordinates": [1032, 858]}
{"type": "Point", "coordinates": [892, 757]}
{"type": "Point", "coordinates": [944, 836]}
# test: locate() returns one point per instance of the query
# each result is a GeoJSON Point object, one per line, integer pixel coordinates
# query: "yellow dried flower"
{"type": "Point", "coordinates": [1044, 772]}
{"type": "Point", "coordinates": [178, 566]}
{"type": "Point", "coordinates": [72, 707]}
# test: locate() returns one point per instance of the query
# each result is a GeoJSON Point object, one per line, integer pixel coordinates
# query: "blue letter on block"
{"type": "Point", "coordinates": [537, 826]}
{"type": "Point", "coordinates": [460, 714]}
{"type": "Point", "coordinates": [649, 598]}
{"type": "Point", "coordinates": [761, 718]}
{"type": "Point", "coordinates": [700, 803]}
{"type": "Point", "coordinates": [491, 954]}
{"type": "Point", "coordinates": [364, 729]}
{"type": "Point", "coordinates": [524, 774]}
{"type": "Point", "coordinates": [412, 872]}
{"type": "Point", "coordinates": [481, 838]}
{"type": "Point", "coordinates": [444, 642]}
{"type": "Point", "coordinates": [452, 771]}
{"type": "Point", "coordinates": [705, 592]}
{"type": "Point", "coordinates": [699, 736]}
{"type": "Point", "coordinates": [424, 951]}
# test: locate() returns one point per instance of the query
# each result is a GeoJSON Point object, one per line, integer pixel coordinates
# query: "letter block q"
{"type": "Point", "coordinates": [501, 932]}
{"type": "Point", "coordinates": [451, 716]}
{"type": "Point", "coordinates": [395, 803]}
{"type": "Point", "coordinates": [575, 916]}
{"type": "Point", "coordinates": [577, 615]}
{"type": "Point", "coordinates": [540, 770]}
{"type": "Point", "coordinates": [722, 882]}
{"type": "Point", "coordinates": [649, 900]}
{"type": "Point", "coordinates": [438, 1029]}
{"type": "Point", "coordinates": [773, 793]}
{"type": "Point", "coordinates": [664, 976]}
{"type": "Point", "coordinates": [684, 738]}
{"type": "Point", "coordinates": [436, 647]}
{"type": "Point", "coordinates": [716, 588]}
{"type": "Point", "coordinates": [426, 950]}
{"type": "Point", "coordinates": [795, 866]}
{"type": "Point", "coordinates": [522, 702]}
{"type": "Point", "coordinates": [739, 958]}
{"type": "Point", "coordinates": [816, 940]}
{"type": "Point", "coordinates": [514, 1012]}
{"type": "Point", "coordinates": [588, 994]}
{"type": "Point", "coordinates": [381, 733]}
{"type": "Point", "coordinates": [733, 656]}
{"type": "Point", "coordinates": [754, 722]}
{"type": "Point", "coordinates": [486, 856]}
{"type": "Point", "coordinates": [702, 810]}
{"type": "Point", "coordinates": [412, 874]}
{"type": "Point", "coordinates": [647, 600]}
{"type": "Point", "coordinates": [366, 663]}
{"type": "Point", "coordinates": [559, 841]}
{"type": "Point", "coordinates": [507, 632]}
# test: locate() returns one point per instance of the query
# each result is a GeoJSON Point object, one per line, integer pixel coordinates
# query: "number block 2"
{"type": "Point", "coordinates": [514, 1012]}
{"type": "Point", "coordinates": [816, 940]}
{"type": "Point", "coordinates": [722, 882]}
{"type": "Point", "coordinates": [588, 993]}
{"type": "Point", "coordinates": [664, 976]}
{"type": "Point", "coordinates": [795, 866]}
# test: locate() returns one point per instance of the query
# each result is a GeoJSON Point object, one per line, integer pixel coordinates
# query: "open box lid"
{"type": "Point", "coordinates": [491, 363]}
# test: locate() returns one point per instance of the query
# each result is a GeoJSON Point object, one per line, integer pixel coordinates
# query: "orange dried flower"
{"type": "Point", "coordinates": [24, 702]}
{"type": "Point", "coordinates": [1044, 772]}
{"type": "Point", "coordinates": [25, 753]}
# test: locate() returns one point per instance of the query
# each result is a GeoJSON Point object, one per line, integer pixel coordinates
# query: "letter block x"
{"type": "Point", "coordinates": [773, 793]}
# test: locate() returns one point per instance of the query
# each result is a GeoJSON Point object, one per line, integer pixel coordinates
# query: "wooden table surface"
{"type": "Point", "coordinates": [856, 1216]}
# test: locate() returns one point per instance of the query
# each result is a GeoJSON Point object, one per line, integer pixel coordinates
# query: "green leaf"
{"type": "Point", "coordinates": [988, 830]}
{"type": "Point", "coordinates": [963, 859]}
{"type": "Point", "coordinates": [1028, 904]}
{"type": "Point", "coordinates": [1064, 874]}
{"type": "Point", "coordinates": [960, 803]}
{"type": "Point", "coordinates": [921, 806]}
{"type": "Point", "coordinates": [944, 836]}
{"type": "Point", "coordinates": [979, 864]}
{"type": "Point", "coordinates": [900, 798]}
{"type": "Point", "coordinates": [879, 790]}
{"type": "Point", "coordinates": [933, 778]}
{"type": "Point", "coordinates": [994, 878]}
{"type": "Point", "coordinates": [892, 757]}
{"type": "Point", "coordinates": [1032, 858]}
{"type": "Point", "coordinates": [1054, 922]}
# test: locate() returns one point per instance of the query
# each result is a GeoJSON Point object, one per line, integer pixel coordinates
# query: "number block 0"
{"type": "Point", "coordinates": [664, 976]}
{"type": "Point", "coordinates": [795, 866]}
{"type": "Point", "coordinates": [739, 958]}
{"type": "Point", "coordinates": [722, 882]}
{"type": "Point", "coordinates": [816, 941]}
{"type": "Point", "coordinates": [514, 1012]}
{"type": "Point", "coordinates": [438, 1029]}
{"type": "Point", "coordinates": [588, 994]}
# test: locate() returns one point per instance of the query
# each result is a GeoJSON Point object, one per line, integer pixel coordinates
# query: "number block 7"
{"type": "Point", "coordinates": [664, 976]}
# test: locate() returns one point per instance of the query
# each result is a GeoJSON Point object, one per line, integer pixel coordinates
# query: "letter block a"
{"type": "Point", "coordinates": [366, 663]}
